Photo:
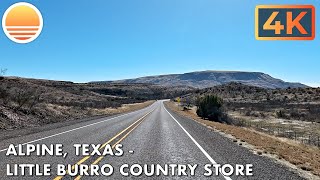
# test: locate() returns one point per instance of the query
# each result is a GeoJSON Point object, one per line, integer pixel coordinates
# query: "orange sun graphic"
{"type": "Point", "coordinates": [22, 22]}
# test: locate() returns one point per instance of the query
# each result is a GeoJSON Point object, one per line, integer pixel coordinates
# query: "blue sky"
{"type": "Point", "coordinates": [115, 39]}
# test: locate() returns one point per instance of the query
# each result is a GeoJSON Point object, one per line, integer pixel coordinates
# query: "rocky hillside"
{"type": "Point", "coordinates": [33, 102]}
{"type": "Point", "coordinates": [204, 79]}
{"type": "Point", "coordinates": [290, 103]}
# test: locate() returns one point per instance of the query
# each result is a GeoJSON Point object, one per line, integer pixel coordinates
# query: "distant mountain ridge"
{"type": "Point", "coordinates": [204, 79]}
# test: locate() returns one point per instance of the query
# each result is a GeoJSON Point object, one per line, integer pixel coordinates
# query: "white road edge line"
{"type": "Point", "coordinates": [195, 142]}
{"type": "Point", "coordinates": [64, 132]}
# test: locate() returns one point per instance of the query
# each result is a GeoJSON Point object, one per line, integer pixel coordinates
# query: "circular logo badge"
{"type": "Point", "coordinates": [22, 22]}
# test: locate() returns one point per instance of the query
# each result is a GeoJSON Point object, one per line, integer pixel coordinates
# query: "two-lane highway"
{"type": "Point", "coordinates": [151, 136]}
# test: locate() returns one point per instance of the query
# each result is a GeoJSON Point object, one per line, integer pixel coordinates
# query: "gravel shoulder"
{"type": "Point", "coordinates": [301, 158]}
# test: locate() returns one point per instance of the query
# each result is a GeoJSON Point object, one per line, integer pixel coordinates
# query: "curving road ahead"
{"type": "Point", "coordinates": [153, 135]}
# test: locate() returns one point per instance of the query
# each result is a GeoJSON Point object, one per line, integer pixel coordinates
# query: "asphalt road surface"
{"type": "Point", "coordinates": [150, 136]}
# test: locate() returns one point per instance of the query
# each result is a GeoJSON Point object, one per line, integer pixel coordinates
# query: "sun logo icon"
{"type": "Point", "coordinates": [22, 22]}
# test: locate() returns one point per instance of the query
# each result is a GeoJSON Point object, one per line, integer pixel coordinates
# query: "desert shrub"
{"type": "Point", "coordinates": [4, 95]}
{"type": "Point", "coordinates": [248, 113]}
{"type": "Point", "coordinates": [297, 115]}
{"type": "Point", "coordinates": [263, 115]}
{"type": "Point", "coordinates": [2, 73]}
{"type": "Point", "coordinates": [27, 98]}
{"type": "Point", "coordinates": [281, 114]}
{"type": "Point", "coordinates": [21, 97]}
{"type": "Point", "coordinates": [186, 101]}
{"type": "Point", "coordinates": [210, 107]}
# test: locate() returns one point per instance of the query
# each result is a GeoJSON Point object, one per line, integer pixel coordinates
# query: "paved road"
{"type": "Point", "coordinates": [153, 135]}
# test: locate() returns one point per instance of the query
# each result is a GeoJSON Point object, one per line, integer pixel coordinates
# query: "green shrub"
{"type": "Point", "coordinates": [210, 107]}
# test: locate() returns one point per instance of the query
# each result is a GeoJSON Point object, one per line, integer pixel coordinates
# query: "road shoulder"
{"type": "Point", "coordinates": [8, 134]}
{"type": "Point", "coordinates": [302, 159]}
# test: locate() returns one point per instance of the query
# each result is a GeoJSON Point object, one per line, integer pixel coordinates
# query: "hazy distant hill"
{"type": "Point", "coordinates": [204, 79]}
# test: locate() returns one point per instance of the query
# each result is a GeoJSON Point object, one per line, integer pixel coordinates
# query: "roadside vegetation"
{"type": "Point", "coordinates": [293, 113]}
{"type": "Point", "coordinates": [2, 73]}
{"type": "Point", "coordinates": [33, 102]}
{"type": "Point", "coordinates": [292, 103]}
{"type": "Point", "coordinates": [281, 122]}
{"type": "Point", "coordinates": [211, 107]}
{"type": "Point", "coordinates": [303, 158]}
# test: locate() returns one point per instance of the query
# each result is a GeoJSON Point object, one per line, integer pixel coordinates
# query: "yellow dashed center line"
{"type": "Point", "coordinates": [108, 142]}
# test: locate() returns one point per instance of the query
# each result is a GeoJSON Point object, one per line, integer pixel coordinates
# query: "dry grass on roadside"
{"type": "Point", "coordinates": [305, 157]}
{"type": "Point", "coordinates": [28, 103]}
{"type": "Point", "coordinates": [124, 108]}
